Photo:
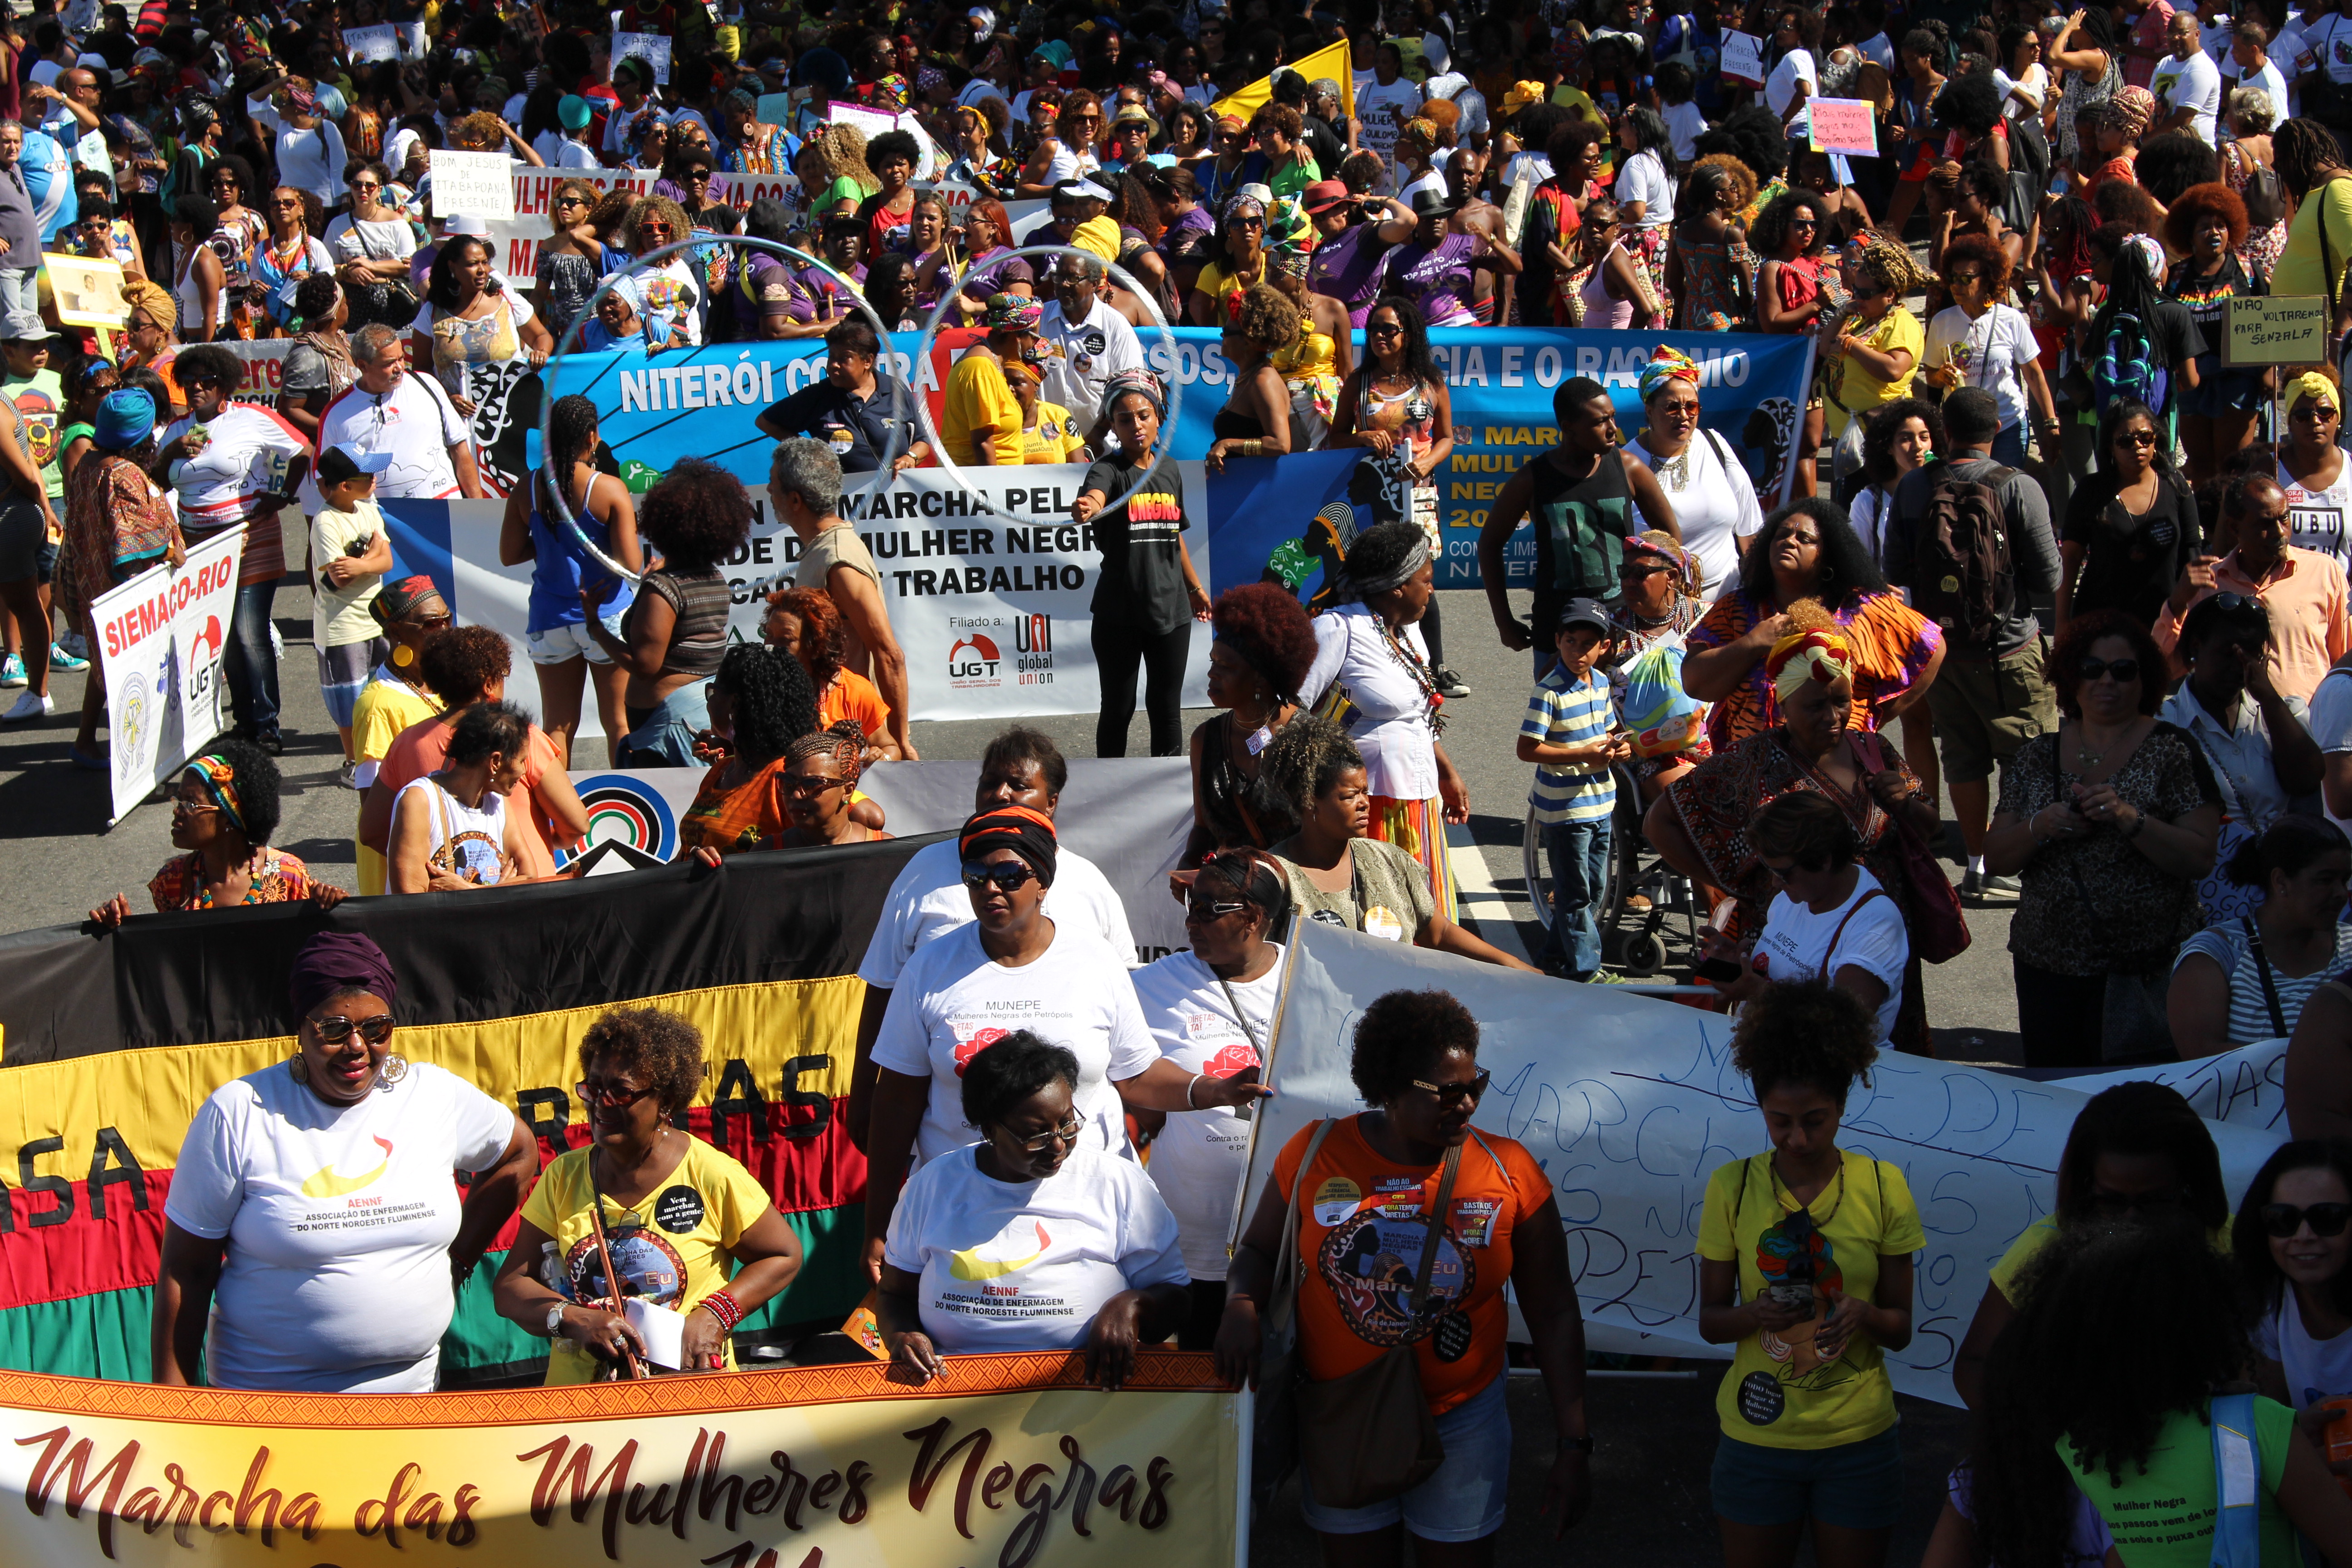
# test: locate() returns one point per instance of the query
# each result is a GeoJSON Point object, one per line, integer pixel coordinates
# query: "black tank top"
{"type": "Point", "coordinates": [1580, 527]}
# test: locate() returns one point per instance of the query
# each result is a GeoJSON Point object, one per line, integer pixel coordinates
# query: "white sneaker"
{"type": "Point", "coordinates": [32, 705]}
{"type": "Point", "coordinates": [75, 644]}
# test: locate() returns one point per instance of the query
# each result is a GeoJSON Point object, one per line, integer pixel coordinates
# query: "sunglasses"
{"type": "Point", "coordinates": [1007, 875]}
{"type": "Point", "coordinates": [367, 185]}
{"type": "Point", "coordinates": [610, 1096]}
{"type": "Point", "coordinates": [1195, 909]}
{"type": "Point", "coordinates": [1455, 1093]}
{"type": "Point", "coordinates": [1868, 293]}
{"type": "Point", "coordinates": [2123, 670]}
{"type": "Point", "coordinates": [2283, 1220]}
{"type": "Point", "coordinates": [334, 1028]}
{"type": "Point", "coordinates": [651, 229]}
{"type": "Point", "coordinates": [1965, 279]}
{"type": "Point", "coordinates": [187, 380]}
{"type": "Point", "coordinates": [808, 786]}
{"type": "Point", "coordinates": [1249, 222]}
{"type": "Point", "coordinates": [1385, 330]}
{"type": "Point", "coordinates": [1068, 1132]}
{"type": "Point", "coordinates": [2135, 438]}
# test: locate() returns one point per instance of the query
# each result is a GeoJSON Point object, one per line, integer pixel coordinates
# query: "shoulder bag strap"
{"type": "Point", "coordinates": [1829, 954]}
{"type": "Point", "coordinates": [2237, 1483]}
{"type": "Point", "coordinates": [2262, 967]}
{"type": "Point", "coordinates": [1436, 1230]}
{"type": "Point", "coordinates": [1251, 1034]}
{"type": "Point", "coordinates": [1284, 1298]}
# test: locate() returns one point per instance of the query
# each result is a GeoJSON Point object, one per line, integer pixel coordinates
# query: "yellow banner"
{"type": "Point", "coordinates": [1010, 1461]}
{"type": "Point", "coordinates": [1331, 63]}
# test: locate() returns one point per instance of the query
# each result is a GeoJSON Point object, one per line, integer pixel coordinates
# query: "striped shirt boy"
{"type": "Point", "coordinates": [1568, 710]}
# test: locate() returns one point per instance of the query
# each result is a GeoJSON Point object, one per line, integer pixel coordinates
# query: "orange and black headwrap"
{"type": "Point", "coordinates": [1028, 833]}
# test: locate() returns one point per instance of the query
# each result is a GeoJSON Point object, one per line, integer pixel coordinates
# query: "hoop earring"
{"type": "Point", "coordinates": [297, 1069]}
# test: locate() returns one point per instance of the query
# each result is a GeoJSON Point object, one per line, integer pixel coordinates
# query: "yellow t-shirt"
{"type": "Point", "coordinates": [1858, 391]}
{"type": "Point", "coordinates": [1579, 101]}
{"type": "Point", "coordinates": [1056, 438]}
{"type": "Point", "coordinates": [1778, 1393]}
{"type": "Point", "coordinates": [2322, 226]}
{"type": "Point", "coordinates": [978, 399]}
{"type": "Point", "coordinates": [2034, 1237]}
{"type": "Point", "coordinates": [684, 1232]}
{"type": "Point", "coordinates": [385, 709]}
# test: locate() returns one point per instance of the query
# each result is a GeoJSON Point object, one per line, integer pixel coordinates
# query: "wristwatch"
{"type": "Point", "coordinates": [555, 1320]}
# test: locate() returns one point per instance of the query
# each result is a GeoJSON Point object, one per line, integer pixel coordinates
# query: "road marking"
{"type": "Point", "coordinates": [1485, 909]}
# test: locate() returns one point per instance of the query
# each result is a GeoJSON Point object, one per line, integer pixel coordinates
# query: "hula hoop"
{"type": "Point", "coordinates": [881, 477]}
{"type": "Point", "coordinates": [1118, 275]}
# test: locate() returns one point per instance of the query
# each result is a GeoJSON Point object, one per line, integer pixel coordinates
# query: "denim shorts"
{"type": "Point", "coordinates": [1853, 1486]}
{"type": "Point", "coordinates": [559, 644]}
{"type": "Point", "coordinates": [1463, 1502]}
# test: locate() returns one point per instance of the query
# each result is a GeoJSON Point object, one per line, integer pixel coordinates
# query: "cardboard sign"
{"type": "Point", "coordinates": [369, 44]}
{"type": "Point", "coordinates": [775, 109]}
{"type": "Point", "coordinates": [1743, 59]}
{"type": "Point", "coordinates": [480, 184]}
{"type": "Point", "coordinates": [411, 39]}
{"type": "Point", "coordinates": [87, 291]}
{"type": "Point", "coordinates": [651, 47]}
{"type": "Point", "coordinates": [2276, 330]}
{"type": "Point", "coordinates": [1847, 125]}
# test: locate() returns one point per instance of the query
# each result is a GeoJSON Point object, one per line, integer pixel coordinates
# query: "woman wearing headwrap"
{"type": "Point", "coordinates": [1012, 968]}
{"type": "Point", "coordinates": [1871, 349]}
{"type": "Point", "coordinates": [2313, 470]}
{"type": "Point", "coordinates": [981, 420]}
{"type": "Point", "coordinates": [223, 809]}
{"type": "Point", "coordinates": [1660, 606]}
{"type": "Point", "coordinates": [119, 524]}
{"type": "Point", "coordinates": [816, 787]}
{"type": "Point", "coordinates": [410, 612]}
{"type": "Point", "coordinates": [307, 1285]}
{"type": "Point", "coordinates": [1148, 595]}
{"type": "Point", "coordinates": [1372, 674]}
{"type": "Point", "coordinates": [1714, 500]}
{"type": "Point", "coordinates": [1264, 646]}
{"type": "Point", "coordinates": [1701, 825]}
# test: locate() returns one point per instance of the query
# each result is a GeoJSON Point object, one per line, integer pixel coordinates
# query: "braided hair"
{"type": "Point", "coordinates": [845, 742]}
{"type": "Point", "coordinates": [2304, 151]}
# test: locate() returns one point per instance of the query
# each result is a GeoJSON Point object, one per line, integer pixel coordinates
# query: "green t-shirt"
{"type": "Point", "coordinates": [40, 401]}
{"type": "Point", "coordinates": [1778, 1393]}
{"type": "Point", "coordinates": [1294, 177]}
{"type": "Point", "coordinates": [2163, 1516]}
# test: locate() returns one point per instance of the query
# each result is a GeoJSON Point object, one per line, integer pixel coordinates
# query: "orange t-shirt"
{"type": "Point", "coordinates": [851, 696]}
{"type": "Point", "coordinates": [423, 747]}
{"type": "Point", "coordinates": [730, 820]}
{"type": "Point", "coordinates": [1360, 1232]}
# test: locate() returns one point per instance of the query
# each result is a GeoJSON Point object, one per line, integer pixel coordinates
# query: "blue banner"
{"type": "Point", "coordinates": [656, 409]}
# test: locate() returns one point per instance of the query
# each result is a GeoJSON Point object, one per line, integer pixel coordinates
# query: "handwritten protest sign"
{"type": "Point", "coordinates": [1847, 125]}
{"type": "Point", "coordinates": [651, 47]}
{"type": "Point", "coordinates": [480, 184]}
{"type": "Point", "coordinates": [371, 44]}
{"type": "Point", "coordinates": [1743, 59]}
{"type": "Point", "coordinates": [2276, 329]}
{"type": "Point", "coordinates": [1630, 1103]}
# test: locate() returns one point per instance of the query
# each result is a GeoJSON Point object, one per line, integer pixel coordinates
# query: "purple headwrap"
{"type": "Point", "coordinates": [334, 964]}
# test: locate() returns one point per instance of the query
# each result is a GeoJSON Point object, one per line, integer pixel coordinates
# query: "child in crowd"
{"type": "Point", "coordinates": [350, 554]}
{"type": "Point", "coordinates": [1567, 734]}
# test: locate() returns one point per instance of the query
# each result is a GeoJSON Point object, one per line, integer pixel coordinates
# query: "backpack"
{"type": "Point", "coordinates": [2266, 198]}
{"type": "Point", "coordinates": [1964, 579]}
{"type": "Point", "coordinates": [2127, 367]}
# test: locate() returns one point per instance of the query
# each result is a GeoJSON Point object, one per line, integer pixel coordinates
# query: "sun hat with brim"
{"type": "Point", "coordinates": [574, 112]}
{"type": "Point", "coordinates": [1324, 194]}
{"type": "Point", "coordinates": [126, 418]}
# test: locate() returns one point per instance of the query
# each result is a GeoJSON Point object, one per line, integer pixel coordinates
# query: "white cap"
{"type": "Point", "coordinates": [459, 224]}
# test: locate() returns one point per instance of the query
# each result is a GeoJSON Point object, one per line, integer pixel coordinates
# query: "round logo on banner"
{"type": "Point", "coordinates": [130, 720]}
{"type": "Point", "coordinates": [626, 810]}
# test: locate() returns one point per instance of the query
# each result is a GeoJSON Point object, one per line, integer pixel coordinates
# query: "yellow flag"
{"type": "Point", "coordinates": [1331, 62]}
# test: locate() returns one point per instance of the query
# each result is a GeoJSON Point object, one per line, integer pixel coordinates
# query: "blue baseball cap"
{"type": "Point", "coordinates": [344, 462]}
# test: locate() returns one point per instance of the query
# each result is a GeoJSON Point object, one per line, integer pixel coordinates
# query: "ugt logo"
{"type": "Point", "coordinates": [974, 657]}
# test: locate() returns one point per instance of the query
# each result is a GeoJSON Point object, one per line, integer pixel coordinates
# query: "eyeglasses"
{"type": "Point", "coordinates": [192, 802]}
{"type": "Point", "coordinates": [1455, 1093]}
{"type": "Point", "coordinates": [1802, 223]}
{"type": "Point", "coordinates": [2283, 1220]}
{"type": "Point", "coordinates": [1066, 1132]}
{"type": "Point", "coordinates": [570, 201]}
{"type": "Point", "coordinates": [286, 203]}
{"type": "Point", "coordinates": [1249, 222]}
{"type": "Point", "coordinates": [1630, 573]}
{"type": "Point", "coordinates": [610, 1096]}
{"type": "Point", "coordinates": [2239, 601]}
{"type": "Point", "coordinates": [146, 324]}
{"type": "Point", "coordinates": [2135, 438]}
{"type": "Point", "coordinates": [808, 786]}
{"type": "Point", "coordinates": [1008, 876]}
{"type": "Point", "coordinates": [334, 1028]}
{"type": "Point", "coordinates": [367, 185]}
{"type": "Point", "coordinates": [651, 228]}
{"type": "Point", "coordinates": [2124, 672]}
{"type": "Point", "coordinates": [1866, 293]}
{"type": "Point", "coordinates": [2318, 412]}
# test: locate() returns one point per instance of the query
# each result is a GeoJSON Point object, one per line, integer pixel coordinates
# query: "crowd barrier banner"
{"type": "Point", "coordinates": [159, 639]}
{"type": "Point", "coordinates": [1007, 1460]}
{"type": "Point", "coordinates": [1130, 815]}
{"type": "Point", "coordinates": [1630, 1103]}
{"type": "Point", "coordinates": [112, 1044]}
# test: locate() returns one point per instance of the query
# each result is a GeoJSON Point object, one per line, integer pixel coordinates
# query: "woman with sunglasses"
{"type": "Point", "coordinates": [2312, 468]}
{"type": "Point", "coordinates": [818, 791]}
{"type": "Point", "coordinates": [1705, 481]}
{"type": "Point", "coordinates": [683, 1226]}
{"type": "Point", "coordinates": [1076, 1247]}
{"type": "Point", "coordinates": [264, 1284]}
{"type": "Point", "coordinates": [225, 806]}
{"type": "Point", "coordinates": [1361, 1189]}
{"type": "Point", "coordinates": [2295, 1258]}
{"type": "Point", "coordinates": [572, 258]}
{"type": "Point", "coordinates": [670, 293]}
{"type": "Point", "coordinates": [2131, 528]}
{"type": "Point", "coordinates": [290, 254]}
{"type": "Point", "coordinates": [1012, 961]}
{"type": "Point", "coordinates": [2108, 825]}
{"type": "Point", "coordinates": [373, 243]}
{"type": "Point", "coordinates": [1980, 341]}
{"type": "Point", "coordinates": [2243, 980]}
{"type": "Point", "coordinates": [1805, 1265]}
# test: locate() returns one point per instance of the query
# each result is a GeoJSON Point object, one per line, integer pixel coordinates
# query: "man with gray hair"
{"type": "Point", "coordinates": [409, 416]}
{"type": "Point", "coordinates": [805, 489]}
{"type": "Point", "coordinates": [1086, 342]}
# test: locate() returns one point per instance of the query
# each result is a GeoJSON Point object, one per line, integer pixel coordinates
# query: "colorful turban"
{"type": "Point", "coordinates": [1822, 655]}
{"type": "Point", "coordinates": [1661, 545]}
{"type": "Point", "coordinates": [2312, 385]}
{"type": "Point", "coordinates": [1016, 374]}
{"type": "Point", "coordinates": [140, 294]}
{"type": "Point", "coordinates": [336, 963]}
{"type": "Point", "coordinates": [2135, 106]}
{"type": "Point", "coordinates": [1028, 833]}
{"type": "Point", "coordinates": [1666, 365]}
{"type": "Point", "coordinates": [1012, 313]}
{"type": "Point", "coordinates": [219, 781]}
{"type": "Point", "coordinates": [1141, 381]}
{"type": "Point", "coordinates": [2151, 254]}
{"type": "Point", "coordinates": [1241, 204]}
{"type": "Point", "coordinates": [401, 601]}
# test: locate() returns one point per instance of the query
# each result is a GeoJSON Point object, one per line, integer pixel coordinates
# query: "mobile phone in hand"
{"type": "Point", "coordinates": [1722, 971]}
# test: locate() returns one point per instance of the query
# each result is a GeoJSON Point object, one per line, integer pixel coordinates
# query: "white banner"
{"type": "Point", "coordinates": [1130, 815]}
{"type": "Point", "coordinates": [161, 638]}
{"type": "Point", "coordinates": [1630, 1103]}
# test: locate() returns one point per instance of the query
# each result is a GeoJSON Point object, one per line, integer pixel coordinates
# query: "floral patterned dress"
{"type": "Point", "coordinates": [2260, 254]}
{"type": "Point", "coordinates": [277, 878]}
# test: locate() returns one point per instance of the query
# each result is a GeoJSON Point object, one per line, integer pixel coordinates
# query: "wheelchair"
{"type": "Point", "coordinates": [1631, 941]}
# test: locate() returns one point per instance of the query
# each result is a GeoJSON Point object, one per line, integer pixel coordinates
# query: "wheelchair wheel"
{"type": "Point", "coordinates": [1533, 866]}
{"type": "Point", "coordinates": [1646, 953]}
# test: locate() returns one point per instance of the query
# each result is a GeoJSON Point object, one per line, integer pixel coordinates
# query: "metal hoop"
{"type": "Point", "coordinates": [1125, 280]}
{"type": "Point", "coordinates": [874, 486]}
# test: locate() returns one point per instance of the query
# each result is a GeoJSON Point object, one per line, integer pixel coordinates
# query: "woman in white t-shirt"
{"type": "Point", "coordinates": [1714, 500]}
{"type": "Point", "coordinates": [313, 1227]}
{"type": "Point", "coordinates": [1979, 342]}
{"type": "Point", "coordinates": [1645, 196]}
{"type": "Point", "coordinates": [1794, 78]}
{"type": "Point", "coordinates": [1212, 1011]}
{"type": "Point", "coordinates": [2292, 1250]}
{"type": "Point", "coordinates": [1831, 919]}
{"type": "Point", "coordinates": [1031, 1239]}
{"type": "Point", "coordinates": [1012, 969]}
{"type": "Point", "coordinates": [451, 831]}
